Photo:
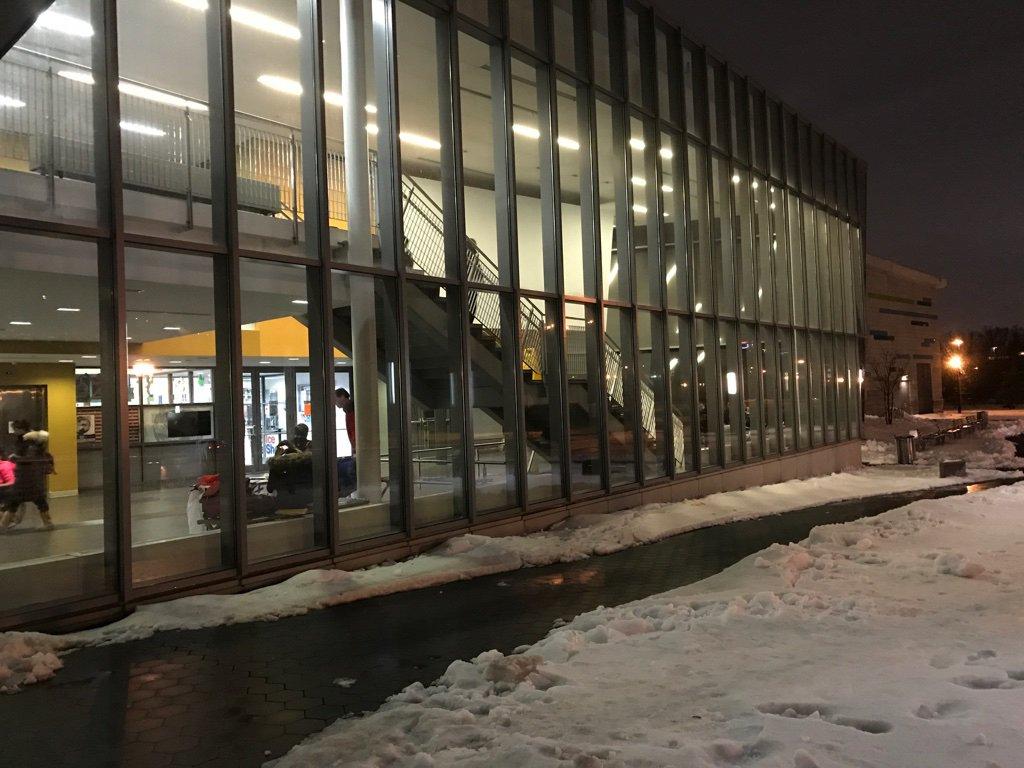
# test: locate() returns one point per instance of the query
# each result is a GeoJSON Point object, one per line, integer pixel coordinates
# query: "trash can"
{"type": "Point", "coordinates": [982, 419]}
{"type": "Point", "coordinates": [904, 449]}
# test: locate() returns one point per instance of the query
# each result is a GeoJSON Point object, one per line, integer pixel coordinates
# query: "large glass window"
{"type": "Point", "coordinates": [741, 118]}
{"type": "Point", "coordinates": [733, 414]}
{"type": "Point", "coordinates": [532, 139]}
{"type": "Point", "coordinates": [183, 497]}
{"type": "Point", "coordinates": [799, 266]}
{"type": "Point", "coordinates": [165, 119]}
{"type": "Point", "coordinates": [436, 434]}
{"type": "Point", "coordinates": [811, 265]}
{"type": "Point", "coordinates": [427, 214]}
{"type": "Point", "coordinates": [775, 139]}
{"type": "Point", "coordinates": [48, 101]}
{"type": "Point", "coordinates": [367, 406]}
{"type": "Point", "coordinates": [699, 232]}
{"type": "Point", "coordinates": [824, 268]}
{"type": "Point", "coordinates": [654, 411]}
{"type": "Point", "coordinates": [672, 189]}
{"type": "Point", "coordinates": [574, 176]}
{"type": "Point", "coordinates": [486, 209]}
{"type": "Point", "coordinates": [611, 194]}
{"type": "Point", "coordinates": [814, 371]}
{"type": "Point", "coordinates": [680, 368]}
{"type": "Point", "coordinates": [694, 90]}
{"type": "Point", "coordinates": [762, 202]}
{"type": "Point", "coordinates": [842, 386]}
{"type": "Point", "coordinates": [634, 63]}
{"type": "Point", "coordinates": [722, 221]}
{"type": "Point", "coordinates": [620, 382]}
{"type": "Point", "coordinates": [565, 33]}
{"type": "Point", "coordinates": [769, 389]}
{"type": "Point", "coordinates": [583, 375]}
{"type": "Point", "coordinates": [718, 105]}
{"type": "Point", "coordinates": [787, 389]}
{"type": "Point", "coordinates": [802, 376]}
{"type": "Point", "coordinates": [541, 358]}
{"type": "Point", "coordinates": [780, 254]}
{"type": "Point", "coordinates": [59, 511]}
{"type": "Point", "coordinates": [492, 391]}
{"type": "Point", "coordinates": [601, 43]}
{"type": "Point", "coordinates": [751, 369]}
{"type": "Point", "coordinates": [285, 448]}
{"type": "Point", "coordinates": [831, 385]}
{"type": "Point", "coordinates": [839, 280]}
{"type": "Point", "coordinates": [743, 239]}
{"type": "Point", "coordinates": [759, 121]}
{"type": "Point", "coordinates": [644, 217]}
{"type": "Point", "coordinates": [666, 49]}
{"type": "Point", "coordinates": [708, 414]}
{"type": "Point", "coordinates": [854, 376]}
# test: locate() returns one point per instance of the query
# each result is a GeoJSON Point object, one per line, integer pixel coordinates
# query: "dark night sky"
{"type": "Point", "coordinates": [931, 96]}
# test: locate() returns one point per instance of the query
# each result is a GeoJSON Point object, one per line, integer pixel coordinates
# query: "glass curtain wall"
{"type": "Point", "coordinates": [335, 315]}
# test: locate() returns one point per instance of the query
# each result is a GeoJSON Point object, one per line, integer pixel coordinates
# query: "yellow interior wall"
{"type": "Point", "coordinates": [61, 415]}
{"type": "Point", "coordinates": [279, 337]}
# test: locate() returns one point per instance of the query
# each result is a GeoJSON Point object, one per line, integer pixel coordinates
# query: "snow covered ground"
{"type": "Point", "coordinates": [892, 641]}
{"type": "Point", "coordinates": [26, 658]}
{"type": "Point", "coordinates": [986, 449]}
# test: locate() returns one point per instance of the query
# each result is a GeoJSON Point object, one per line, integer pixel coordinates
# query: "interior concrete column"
{"type": "Point", "coordinates": [365, 376]}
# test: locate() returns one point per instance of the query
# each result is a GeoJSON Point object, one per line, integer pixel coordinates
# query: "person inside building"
{"type": "Point", "coordinates": [299, 443]}
{"type": "Point", "coordinates": [33, 463]}
{"type": "Point", "coordinates": [343, 399]}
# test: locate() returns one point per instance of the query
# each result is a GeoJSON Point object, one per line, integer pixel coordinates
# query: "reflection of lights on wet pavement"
{"type": "Point", "coordinates": [581, 576]}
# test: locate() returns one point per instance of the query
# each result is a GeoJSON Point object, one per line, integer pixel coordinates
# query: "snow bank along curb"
{"type": "Point", "coordinates": [987, 449]}
{"type": "Point", "coordinates": [26, 658]}
{"type": "Point", "coordinates": [888, 641]}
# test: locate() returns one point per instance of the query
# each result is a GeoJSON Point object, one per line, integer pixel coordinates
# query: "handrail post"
{"type": "Point", "coordinates": [189, 216]}
{"type": "Point", "coordinates": [294, 181]}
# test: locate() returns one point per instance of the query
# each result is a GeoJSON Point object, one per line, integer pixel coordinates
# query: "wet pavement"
{"type": "Point", "coordinates": [244, 694]}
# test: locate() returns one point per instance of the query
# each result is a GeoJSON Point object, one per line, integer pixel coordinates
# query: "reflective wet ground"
{"type": "Point", "coordinates": [244, 694]}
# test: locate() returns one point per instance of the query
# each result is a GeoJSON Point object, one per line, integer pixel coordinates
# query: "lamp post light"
{"type": "Point", "coordinates": [956, 364]}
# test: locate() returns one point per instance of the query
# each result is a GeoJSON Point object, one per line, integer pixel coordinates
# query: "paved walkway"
{"type": "Point", "coordinates": [244, 694]}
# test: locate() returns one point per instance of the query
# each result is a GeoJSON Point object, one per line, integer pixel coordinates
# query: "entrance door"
{"type": "Point", "coordinates": [925, 402]}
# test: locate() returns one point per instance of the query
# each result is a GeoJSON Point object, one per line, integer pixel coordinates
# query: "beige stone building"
{"type": "Point", "coordinates": [902, 318]}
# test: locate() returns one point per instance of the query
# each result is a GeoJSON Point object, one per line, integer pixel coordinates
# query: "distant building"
{"type": "Point", "coordinates": [900, 307]}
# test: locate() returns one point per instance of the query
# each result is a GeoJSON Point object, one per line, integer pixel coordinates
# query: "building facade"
{"type": "Point", "coordinates": [298, 282]}
{"type": "Point", "coordinates": [903, 325]}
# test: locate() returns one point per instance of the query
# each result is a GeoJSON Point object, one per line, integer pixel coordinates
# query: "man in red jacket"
{"type": "Point", "coordinates": [343, 399]}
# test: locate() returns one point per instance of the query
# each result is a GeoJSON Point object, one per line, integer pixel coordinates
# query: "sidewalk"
{"type": "Point", "coordinates": [240, 695]}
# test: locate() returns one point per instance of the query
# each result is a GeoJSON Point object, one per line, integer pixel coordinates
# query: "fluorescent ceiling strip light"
{"type": "Point", "coordinates": [10, 101]}
{"type": "Point", "coordinates": [62, 22]}
{"type": "Point", "coordinates": [666, 188]}
{"type": "Point", "coordinates": [419, 141]}
{"type": "Point", "coordinates": [250, 18]}
{"type": "Point", "coordinates": [639, 208]}
{"type": "Point", "coordinates": [282, 84]}
{"type": "Point", "coordinates": [566, 143]}
{"type": "Point", "coordinates": [639, 181]}
{"type": "Point", "coordinates": [637, 143]}
{"type": "Point", "coordinates": [665, 152]}
{"type": "Point", "coordinates": [77, 75]}
{"type": "Point", "coordinates": [372, 129]}
{"type": "Point", "coordinates": [159, 97]}
{"type": "Point", "coordinates": [20, 322]}
{"type": "Point", "coordinates": [526, 131]}
{"type": "Point", "coordinates": [141, 128]}
{"type": "Point", "coordinates": [68, 309]}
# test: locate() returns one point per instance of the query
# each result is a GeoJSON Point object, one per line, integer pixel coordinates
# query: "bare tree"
{"type": "Point", "coordinates": [886, 370]}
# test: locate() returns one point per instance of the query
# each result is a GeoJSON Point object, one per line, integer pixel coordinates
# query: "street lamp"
{"type": "Point", "coordinates": [956, 363]}
{"type": "Point", "coordinates": [957, 342]}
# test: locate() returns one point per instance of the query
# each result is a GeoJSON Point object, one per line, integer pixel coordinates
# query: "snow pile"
{"type": "Point", "coordinates": [472, 555]}
{"type": "Point", "coordinates": [892, 641]}
{"type": "Point", "coordinates": [986, 449]}
{"type": "Point", "coordinates": [27, 658]}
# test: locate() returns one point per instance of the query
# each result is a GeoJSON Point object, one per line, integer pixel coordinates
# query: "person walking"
{"type": "Point", "coordinates": [32, 465]}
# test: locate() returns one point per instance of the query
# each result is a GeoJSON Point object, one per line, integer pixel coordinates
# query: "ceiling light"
{"type": "Point", "coordinates": [10, 101]}
{"type": "Point", "coordinates": [65, 361]}
{"type": "Point", "coordinates": [419, 141]}
{"type": "Point", "coordinates": [637, 144]}
{"type": "Point", "coordinates": [159, 97]}
{"type": "Point", "coordinates": [698, 307]}
{"type": "Point", "coordinates": [665, 152]}
{"type": "Point", "coordinates": [526, 131]}
{"type": "Point", "coordinates": [20, 322]}
{"type": "Point", "coordinates": [260, 21]}
{"type": "Point", "coordinates": [61, 22]}
{"type": "Point", "coordinates": [639, 208]}
{"type": "Point", "coordinates": [753, 184]}
{"type": "Point", "coordinates": [735, 178]}
{"type": "Point", "coordinates": [333, 98]}
{"type": "Point", "coordinates": [89, 357]}
{"type": "Point", "coordinates": [371, 109]}
{"type": "Point", "coordinates": [566, 143]}
{"type": "Point", "coordinates": [142, 368]}
{"type": "Point", "coordinates": [299, 301]}
{"type": "Point", "coordinates": [145, 130]}
{"type": "Point", "coordinates": [673, 363]}
{"type": "Point", "coordinates": [282, 84]}
{"type": "Point", "coordinates": [701, 354]}
{"type": "Point", "coordinates": [77, 75]}
{"type": "Point", "coordinates": [195, 5]}
{"type": "Point", "coordinates": [68, 309]}
{"type": "Point", "coordinates": [264, 362]}
{"type": "Point", "coordinates": [771, 206]}
{"type": "Point", "coordinates": [639, 181]}
{"type": "Point", "coordinates": [175, 361]}
{"type": "Point", "coordinates": [172, 327]}
{"type": "Point", "coordinates": [372, 129]}
{"type": "Point", "coordinates": [666, 188]}
{"type": "Point", "coordinates": [670, 275]}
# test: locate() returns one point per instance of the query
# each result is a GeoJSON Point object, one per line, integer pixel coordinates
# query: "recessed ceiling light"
{"type": "Point", "coordinates": [89, 357]}
{"type": "Point", "coordinates": [665, 152]}
{"type": "Point", "coordinates": [299, 301]}
{"type": "Point", "coordinates": [175, 361]}
{"type": "Point", "coordinates": [264, 362]}
{"type": "Point", "coordinates": [638, 144]}
{"type": "Point", "coordinates": [293, 358]}
{"type": "Point", "coordinates": [735, 178]}
{"type": "Point", "coordinates": [68, 309]}
{"type": "Point", "coordinates": [10, 101]}
{"type": "Point", "coordinates": [77, 75]}
{"type": "Point", "coordinates": [639, 181]}
{"type": "Point", "coordinates": [372, 129]}
{"type": "Point", "coordinates": [566, 143]}
{"type": "Point", "coordinates": [371, 109]}
{"type": "Point", "coordinates": [639, 209]}
{"type": "Point", "coordinates": [20, 322]}
{"type": "Point", "coordinates": [62, 22]}
{"type": "Point", "coordinates": [65, 361]}
{"type": "Point", "coordinates": [419, 141]}
{"type": "Point", "coordinates": [172, 327]}
{"type": "Point", "coordinates": [141, 128]}
{"type": "Point", "coordinates": [666, 188]}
